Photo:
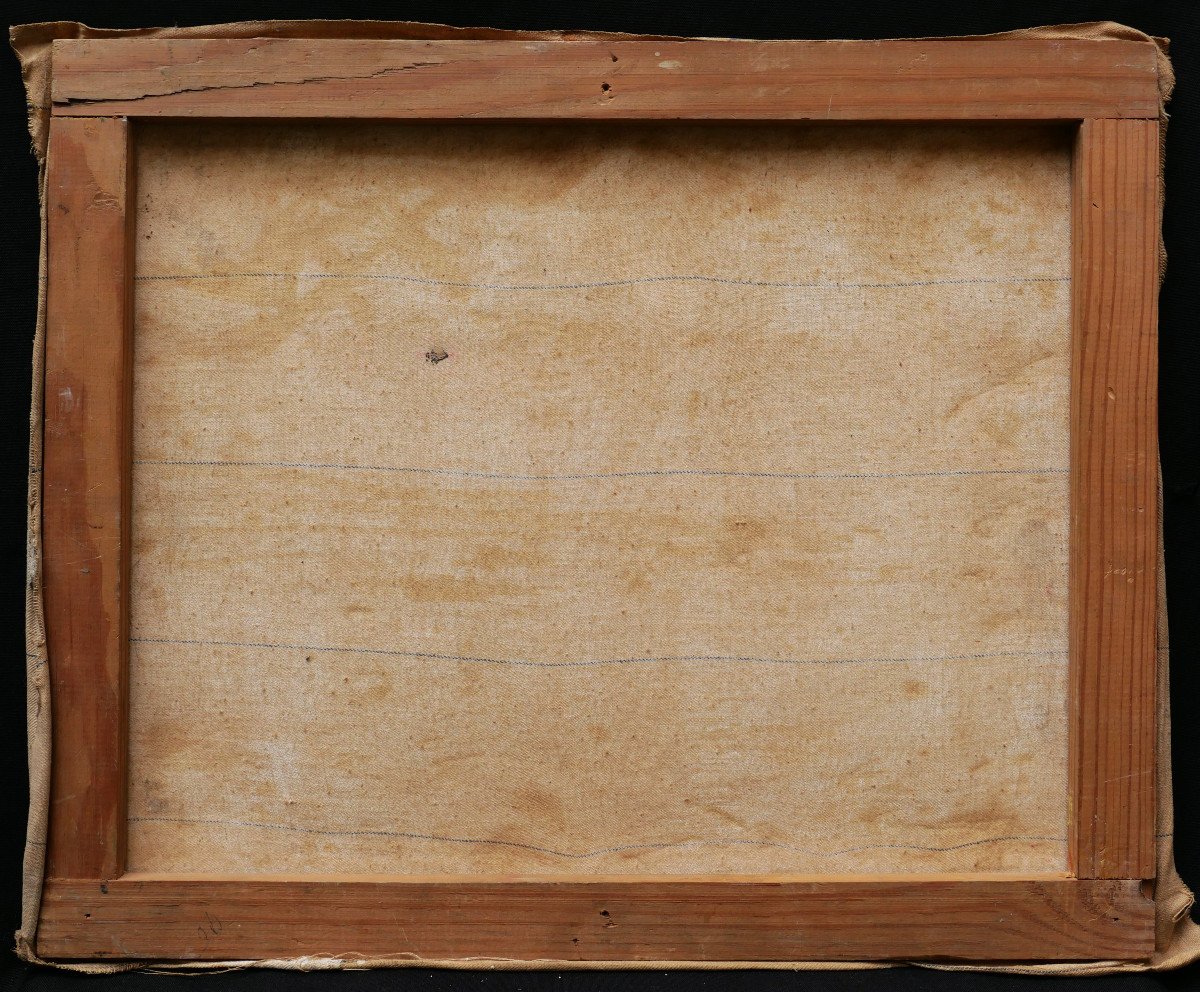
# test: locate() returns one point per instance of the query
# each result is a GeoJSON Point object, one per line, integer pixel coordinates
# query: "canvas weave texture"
{"type": "Point", "coordinates": [538, 499]}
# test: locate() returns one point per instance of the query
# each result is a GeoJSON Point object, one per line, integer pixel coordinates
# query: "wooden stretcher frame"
{"type": "Point", "coordinates": [93, 908]}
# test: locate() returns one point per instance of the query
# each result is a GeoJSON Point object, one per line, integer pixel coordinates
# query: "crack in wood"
{"type": "Point", "coordinates": [378, 74]}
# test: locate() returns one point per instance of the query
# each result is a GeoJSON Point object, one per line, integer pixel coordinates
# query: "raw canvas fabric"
{"type": "Point", "coordinates": [478, 440]}
{"type": "Point", "coordinates": [643, 530]}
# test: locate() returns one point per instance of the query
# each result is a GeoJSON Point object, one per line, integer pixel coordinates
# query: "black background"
{"type": "Point", "coordinates": [1179, 414]}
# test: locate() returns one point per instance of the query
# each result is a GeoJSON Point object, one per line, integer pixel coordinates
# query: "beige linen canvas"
{"type": "Point", "coordinates": [729, 535]}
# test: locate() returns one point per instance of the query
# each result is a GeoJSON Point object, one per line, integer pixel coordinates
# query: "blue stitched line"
{"type": "Point", "coordinates": [582, 476]}
{"type": "Point", "coordinates": [664, 845]}
{"type": "Point", "coordinates": [594, 663]}
{"type": "Point", "coordinates": [601, 283]}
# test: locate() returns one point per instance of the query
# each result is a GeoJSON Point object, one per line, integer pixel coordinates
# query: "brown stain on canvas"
{"type": "Point", "coordinates": [538, 804]}
{"type": "Point", "coordinates": [452, 589]}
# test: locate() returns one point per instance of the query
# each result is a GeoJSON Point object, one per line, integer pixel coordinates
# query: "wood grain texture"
{"type": "Point", "coordinates": [86, 465]}
{"type": "Point", "coordinates": [1114, 536]}
{"type": "Point", "coordinates": [651, 919]}
{"type": "Point", "coordinates": [971, 79]}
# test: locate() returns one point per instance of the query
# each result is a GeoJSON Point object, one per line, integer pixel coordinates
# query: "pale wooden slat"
{"type": "Point", "coordinates": [972, 79]}
{"type": "Point", "coordinates": [1113, 495]}
{"type": "Point", "coordinates": [86, 489]}
{"type": "Point", "coordinates": [601, 920]}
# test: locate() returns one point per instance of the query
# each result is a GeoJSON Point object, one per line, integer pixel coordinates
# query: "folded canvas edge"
{"type": "Point", "coordinates": [1177, 935]}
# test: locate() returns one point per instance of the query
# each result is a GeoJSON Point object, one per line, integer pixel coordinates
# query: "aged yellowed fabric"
{"type": "Point", "coordinates": [649, 554]}
{"type": "Point", "coordinates": [730, 536]}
